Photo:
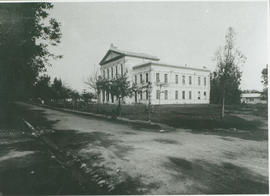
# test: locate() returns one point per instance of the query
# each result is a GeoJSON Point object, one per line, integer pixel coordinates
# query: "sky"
{"type": "Point", "coordinates": [178, 33]}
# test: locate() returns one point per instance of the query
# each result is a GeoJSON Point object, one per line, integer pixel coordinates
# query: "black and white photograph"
{"type": "Point", "coordinates": [134, 97]}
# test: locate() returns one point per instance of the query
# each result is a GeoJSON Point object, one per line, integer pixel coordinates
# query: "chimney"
{"type": "Point", "coordinates": [112, 46]}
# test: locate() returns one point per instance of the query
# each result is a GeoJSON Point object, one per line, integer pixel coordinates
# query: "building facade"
{"type": "Point", "coordinates": [169, 84]}
{"type": "Point", "coordinates": [252, 98]}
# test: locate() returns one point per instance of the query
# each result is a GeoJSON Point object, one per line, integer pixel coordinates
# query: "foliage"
{"type": "Point", "coordinates": [225, 81]}
{"type": "Point", "coordinates": [118, 87]}
{"type": "Point", "coordinates": [59, 90]}
{"type": "Point", "coordinates": [74, 95]}
{"type": "Point", "coordinates": [265, 76]}
{"type": "Point", "coordinates": [26, 32]}
{"type": "Point", "coordinates": [102, 86]}
{"type": "Point", "coordinates": [265, 83]}
{"type": "Point", "coordinates": [121, 88]}
{"type": "Point", "coordinates": [43, 88]}
{"type": "Point", "coordinates": [87, 96]}
{"type": "Point", "coordinates": [55, 91]}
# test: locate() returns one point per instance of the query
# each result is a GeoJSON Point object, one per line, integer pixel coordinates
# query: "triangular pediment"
{"type": "Point", "coordinates": [110, 56]}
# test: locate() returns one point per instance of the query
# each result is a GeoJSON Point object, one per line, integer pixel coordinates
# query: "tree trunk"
{"type": "Point", "coordinates": [119, 107]}
{"type": "Point", "coordinates": [98, 97]}
{"type": "Point", "coordinates": [103, 96]}
{"type": "Point", "coordinates": [149, 107]}
{"type": "Point", "coordinates": [149, 112]}
{"type": "Point", "coordinates": [223, 107]}
{"type": "Point", "coordinates": [99, 102]}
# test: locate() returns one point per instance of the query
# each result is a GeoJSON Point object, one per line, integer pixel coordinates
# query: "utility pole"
{"type": "Point", "coordinates": [149, 90]}
{"type": "Point", "coordinates": [160, 86]}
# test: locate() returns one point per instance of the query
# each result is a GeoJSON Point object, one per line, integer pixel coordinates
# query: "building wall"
{"type": "Point", "coordinates": [200, 93]}
{"type": "Point", "coordinates": [252, 100]}
{"type": "Point", "coordinates": [126, 64]}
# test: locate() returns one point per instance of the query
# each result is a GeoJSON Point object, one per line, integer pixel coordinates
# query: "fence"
{"type": "Point", "coordinates": [140, 111]}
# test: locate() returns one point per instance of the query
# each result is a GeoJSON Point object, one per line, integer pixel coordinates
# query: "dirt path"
{"type": "Point", "coordinates": [152, 162]}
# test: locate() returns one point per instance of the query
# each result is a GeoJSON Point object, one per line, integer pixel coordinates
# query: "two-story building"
{"type": "Point", "coordinates": [170, 84]}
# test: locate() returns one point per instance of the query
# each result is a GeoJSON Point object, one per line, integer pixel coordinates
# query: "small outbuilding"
{"type": "Point", "coordinates": [252, 98]}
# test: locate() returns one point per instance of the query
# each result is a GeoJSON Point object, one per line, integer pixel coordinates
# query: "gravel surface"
{"type": "Point", "coordinates": [150, 161]}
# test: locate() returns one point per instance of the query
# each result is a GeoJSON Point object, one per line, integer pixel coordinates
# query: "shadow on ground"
{"type": "Point", "coordinates": [76, 142]}
{"type": "Point", "coordinates": [210, 178]}
{"type": "Point", "coordinates": [71, 142]}
{"type": "Point", "coordinates": [230, 126]}
{"type": "Point", "coordinates": [37, 117]}
{"type": "Point", "coordinates": [26, 166]}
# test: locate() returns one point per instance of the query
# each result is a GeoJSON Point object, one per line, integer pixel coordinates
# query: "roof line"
{"type": "Point", "coordinates": [174, 66]}
{"type": "Point", "coordinates": [127, 53]}
{"type": "Point", "coordinates": [134, 54]}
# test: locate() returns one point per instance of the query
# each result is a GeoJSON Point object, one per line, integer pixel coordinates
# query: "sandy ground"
{"type": "Point", "coordinates": [172, 162]}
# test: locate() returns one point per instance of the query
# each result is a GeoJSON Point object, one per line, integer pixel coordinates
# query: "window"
{"type": "Point", "coordinates": [121, 69]}
{"type": "Point", "coordinates": [146, 95]}
{"type": "Point", "coordinates": [157, 78]}
{"type": "Point", "coordinates": [176, 95]}
{"type": "Point", "coordinates": [183, 95]}
{"type": "Point", "coordinates": [166, 94]}
{"type": "Point", "coordinates": [141, 95]}
{"type": "Point", "coordinates": [166, 78]}
{"type": "Point", "coordinates": [135, 79]}
{"type": "Point", "coordinates": [108, 73]}
{"type": "Point", "coordinates": [104, 74]}
{"type": "Point", "coordinates": [140, 78]}
{"type": "Point", "coordinates": [116, 70]}
{"type": "Point", "coordinates": [112, 71]}
{"type": "Point", "coordinates": [190, 80]}
{"type": "Point", "coordinates": [146, 77]}
{"type": "Point", "coordinates": [190, 95]}
{"type": "Point", "coordinates": [199, 80]}
{"type": "Point", "coordinates": [183, 79]}
{"type": "Point", "coordinates": [204, 94]}
{"type": "Point", "coordinates": [204, 81]}
{"type": "Point", "coordinates": [199, 95]}
{"type": "Point", "coordinates": [176, 79]}
{"type": "Point", "coordinates": [157, 94]}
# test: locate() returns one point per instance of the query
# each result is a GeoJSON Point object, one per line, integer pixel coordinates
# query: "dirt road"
{"type": "Point", "coordinates": [26, 165]}
{"type": "Point", "coordinates": [148, 161]}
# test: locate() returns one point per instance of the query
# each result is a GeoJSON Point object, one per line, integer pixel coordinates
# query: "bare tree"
{"type": "Point", "coordinates": [91, 82]}
{"type": "Point", "coordinates": [148, 89]}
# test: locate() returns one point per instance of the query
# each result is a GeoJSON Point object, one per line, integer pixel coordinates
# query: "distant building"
{"type": "Point", "coordinates": [171, 84]}
{"type": "Point", "coordinates": [252, 98]}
